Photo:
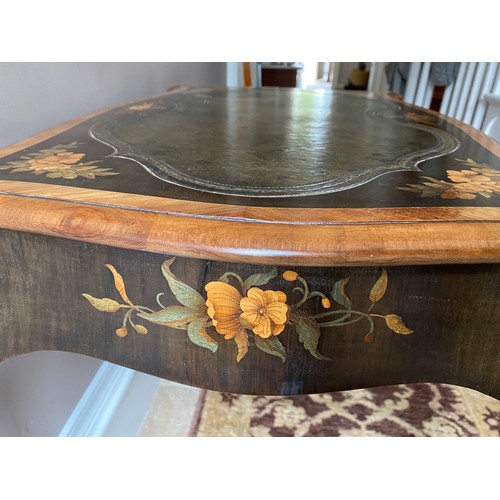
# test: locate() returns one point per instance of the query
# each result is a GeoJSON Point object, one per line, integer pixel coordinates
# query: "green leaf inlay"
{"type": "Point", "coordinates": [186, 295]}
{"type": "Point", "coordinates": [172, 316]}
{"type": "Point", "coordinates": [272, 346]}
{"type": "Point", "coordinates": [308, 332]}
{"type": "Point", "coordinates": [259, 279]}
{"type": "Point", "coordinates": [197, 333]}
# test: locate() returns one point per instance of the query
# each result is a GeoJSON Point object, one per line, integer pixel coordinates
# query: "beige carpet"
{"type": "Point", "coordinates": [432, 410]}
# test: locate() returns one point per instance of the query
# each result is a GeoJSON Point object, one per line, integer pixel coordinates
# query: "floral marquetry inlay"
{"type": "Point", "coordinates": [58, 163]}
{"type": "Point", "coordinates": [466, 184]}
{"type": "Point", "coordinates": [241, 310]}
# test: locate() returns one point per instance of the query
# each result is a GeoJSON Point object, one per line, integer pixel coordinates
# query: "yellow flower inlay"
{"type": "Point", "coordinates": [466, 184]}
{"type": "Point", "coordinates": [223, 303]}
{"type": "Point", "coordinates": [58, 163]}
{"type": "Point", "coordinates": [470, 182]}
{"type": "Point", "coordinates": [265, 311]}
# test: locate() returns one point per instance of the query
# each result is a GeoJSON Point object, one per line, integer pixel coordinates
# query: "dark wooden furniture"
{"type": "Point", "coordinates": [279, 76]}
{"type": "Point", "coordinates": [265, 241]}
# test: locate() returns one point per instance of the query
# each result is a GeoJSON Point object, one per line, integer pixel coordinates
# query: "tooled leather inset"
{"type": "Point", "coordinates": [270, 143]}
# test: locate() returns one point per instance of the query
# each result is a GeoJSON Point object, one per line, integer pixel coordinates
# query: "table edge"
{"type": "Point", "coordinates": [341, 244]}
{"type": "Point", "coordinates": [315, 236]}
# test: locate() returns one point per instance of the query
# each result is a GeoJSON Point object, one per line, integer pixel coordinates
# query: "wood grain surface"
{"type": "Point", "coordinates": [370, 244]}
{"type": "Point", "coordinates": [278, 215]}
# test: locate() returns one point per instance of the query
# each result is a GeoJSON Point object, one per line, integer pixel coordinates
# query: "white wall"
{"type": "Point", "coordinates": [234, 74]}
{"type": "Point", "coordinates": [37, 96]}
{"type": "Point", "coordinates": [38, 391]}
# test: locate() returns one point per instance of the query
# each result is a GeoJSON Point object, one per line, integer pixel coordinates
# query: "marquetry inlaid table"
{"type": "Point", "coordinates": [259, 241]}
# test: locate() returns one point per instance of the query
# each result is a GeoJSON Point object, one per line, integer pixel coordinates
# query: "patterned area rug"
{"type": "Point", "coordinates": [400, 411]}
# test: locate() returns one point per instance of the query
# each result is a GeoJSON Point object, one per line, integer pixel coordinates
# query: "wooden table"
{"type": "Point", "coordinates": [261, 241]}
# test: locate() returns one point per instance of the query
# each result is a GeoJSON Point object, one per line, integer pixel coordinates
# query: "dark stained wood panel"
{"type": "Point", "coordinates": [43, 308]}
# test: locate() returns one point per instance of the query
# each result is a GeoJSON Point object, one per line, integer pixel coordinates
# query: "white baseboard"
{"type": "Point", "coordinates": [114, 403]}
